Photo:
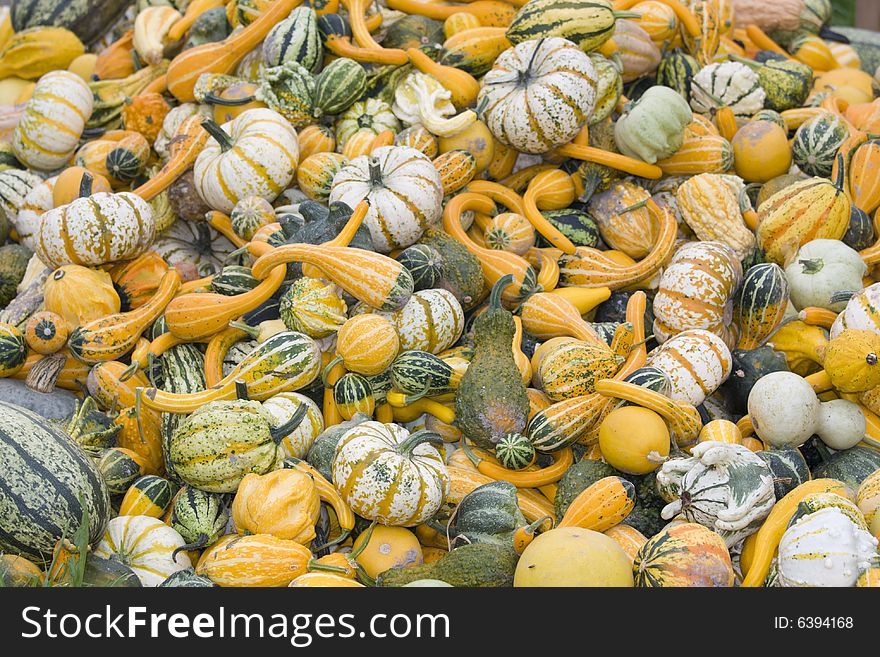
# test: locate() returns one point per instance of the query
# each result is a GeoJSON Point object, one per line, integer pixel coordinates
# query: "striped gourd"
{"type": "Point", "coordinates": [372, 114]}
{"type": "Point", "coordinates": [315, 139]}
{"type": "Point", "coordinates": [862, 311]}
{"type": "Point", "coordinates": [684, 555]}
{"type": "Point", "coordinates": [120, 468]}
{"type": "Point", "coordinates": [381, 385]}
{"type": "Point", "coordinates": [352, 394]}
{"type": "Point", "coordinates": [118, 155]}
{"type": "Point", "coordinates": [659, 21]}
{"type": "Point", "coordinates": [15, 185]}
{"type": "Point", "coordinates": [424, 263]}
{"type": "Point", "coordinates": [255, 560]}
{"type": "Point", "coordinates": [728, 84]}
{"type": "Point", "coordinates": [576, 225]}
{"type": "Point", "coordinates": [760, 304]}
{"type": "Point", "coordinates": [699, 153]}
{"type": "Point", "coordinates": [339, 86]}
{"type": "Point", "coordinates": [456, 168]}
{"type": "Point", "coordinates": [573, 368]}
{"type": "Point", "coordinates": [284, 362]}
{"type": "Point", "coordinates": [183, 371]}
{"type": "Point", "coordinates": [601, 505]}
{"type": "Point", "coordinates": [53, 120]}
{"type": "Point", "coordinates": [475, 50]}
{"type": "Point", "coordinates": [282, 407]}
{"type": "Point", "coordinates": [564, 423]}
{"type": "Point", "coordinates": [198, 516]}
{"type": "Point", "coordinates": [148, 496]}
{"type": "Point", "coordinates": [816, 143]}
{"type": "Point", "coordinates": [421, 373]}
{"type": "Point", "coordinates": [704, 45]}
{"type": "Point", "coordinates": [295, 39]}
{"type": "Point", "coordinates": [551, 108]}
{"type": "Point", "coordinates": [146, 545]}
{"type": "Point", "coordinates": [47, 479]}
{"type": "Point", "coordinates": [863, 176]}
{"type": "Point", "coordinates": [419, 138]}
{"type": "Point", "coordinates": [676, 70]}
{"type": "Point", "coordinates": [806, 210]}
{"type": "Point", "coordinates": [697, 363]}
{"type": "Point", "coordinates": [367, 344]}
{"type": "Point", "coordinates": [696, 288]}
{"type": "Point", "coordinates": [609, 87]}
{"type": "Point", "coordinates": [720, 431]}
{"type": "Point", "coordinates": [708, 204]}
{"type": "Point", "coordinates": [249, 215]}
{"type": "Point", "coordinates": [403, 188]}
{"type": "Point", "coordinates": [313, 307]}
{"type": "Point", "coordinates": [624, 222]}
{"type": "Point", "coordinates": [510, 231]}
{"type": "Point", "coordinates": [314, 176]}
{"type": "Point", "coordinates": [628, 538]}
{"type": "Point", "coordinates": [37, 202]}
{"type": "Point", "coordinates": [637, 51]}
{"type": "Point", "coordinates": [514, 451]}
{"type": "Point", "coordinates": [587, 23]}
{"type": "Point", "coordinates": [432, 320]}
{"type": "Point", "coordinates": [13, 350]}
{"type": "Point", "coordinates": [233, 279]}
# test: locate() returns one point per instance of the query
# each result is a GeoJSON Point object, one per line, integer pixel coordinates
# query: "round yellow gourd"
{"type": "Point", "coordinates": [634, 439]}
{"type": "Point", "coordinates": [761, 151]}
{"type": "Point", "coordinates": [571, 556]}
{"type": "Point", "coordinates": [389, 547]}
{"type": "Point", "coordinates": [476, 140]}
{"type": "Point", "coordinates": [11, 89]}
{"type": "Point", "coordinates": [18, 571]}
{"type": "Point", "coordinates": [84, 66]}
{"type": "Point", "coordinates": [849, 84]}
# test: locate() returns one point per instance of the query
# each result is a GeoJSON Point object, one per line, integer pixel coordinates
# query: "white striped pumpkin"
{"type": "Point", "coordinates": [282, 407]}
{"type": "Point", "coordinates": [432, 320]}
{"type": "Point", "coordinates": [50, 128]}
{"type": "Point", "coordinates": [862, 312]}
{"type": "Point", "coordinates": [37, 202]}
{"type": "Point", "coordinates": [728, 84]}
{"type": "Point", "coordinates": [551, 107]}
{"type": "Point", "coordinates": [259, 159]}
{"type": "Point", "coordinates": [384, 473]}
{"type": "Point", "coordinates": [145, 545]}
{"type": "Point", "coordinates": [696, 289]}
{"type": "Point", "coordinates": [95, 230]}
{"type": "Point", "coordinates": [404, 190]}
{"type": "Point", "coordinates": [696, 361]}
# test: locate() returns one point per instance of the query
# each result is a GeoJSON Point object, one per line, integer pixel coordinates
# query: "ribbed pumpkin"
{"type": "Point", "coordinates": [295, 39]}
{"type": "Point", "coordinates": [636, 49]}
{"type": "Point", "coordinates": [538, 94]}
{"type": "Point", "coordinates": [701, 151]}
{"type": "Point", "coordinates": [404, 190]}
{"type": "Point", "coordinates": [146, 545]}
{"type": "Point", "coordinates": [432, 320]}
{"type": "Point", "coordinates": [760, 304]}
{"type": "Point", "coordinates": [315, 139]}
{"type": "Point", "coordinates": [659, 21]}
{"type": "Point", "coordinates": [696, 361]}
{"type": "Point", "coordinates": [685, 554]}
{"type": "Point", "coordinates": [456, 168]}
{"type": "Point", "coordinates": [249, 215]}
{"type": "Point", "coordinates": [624, 222]}
{"type": "Point", "coordinates": [728, 84]}
{"type": "Point", "coordinates": [510, 231]}
{"type": "Point", "coordinates": [313, 307]}
{"type": "Point", "coordinates": [282, 407]}
{"type": "Point", "coordinates": [315, 175]}
{"type": "Point", "coordinates": [372, 114]}
{"type": "Point", "coordinates": [255, 154]}
{"type": "Point", "coordinates": [367, 344]}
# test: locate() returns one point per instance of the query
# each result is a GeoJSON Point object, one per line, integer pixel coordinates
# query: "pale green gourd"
{"type": "Point", "coordinates": [652, 128]}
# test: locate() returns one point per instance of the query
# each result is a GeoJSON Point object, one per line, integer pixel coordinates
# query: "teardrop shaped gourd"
{"type": "Point", "coordinates": [564, 423]}
{"type": "Point", "coordinates": [285, 362]}
{"type": "Point", "coordinates": [602, 505]}
{"type": "Point", "coordinates": [110, 337]}
{"type": "Point", "coordinates": [573, 368]}
{"type": "Point", "coordinates": [760, 304]}
{"type": "Point", "coordinates": [547, 315]}
{"type": "Point", "coordinates": [593, 268]}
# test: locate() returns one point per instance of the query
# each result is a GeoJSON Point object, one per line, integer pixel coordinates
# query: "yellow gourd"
{"type": "Point", "coordinates": [283, 503]}
{"type": "Point", "coordinates": [634, 440]}
{"type": "Point", "coordinates": [387, 547]}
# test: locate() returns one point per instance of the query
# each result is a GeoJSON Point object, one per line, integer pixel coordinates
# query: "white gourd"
{"type": "Point", "coordinates": [37, 202]}
{"type": "Point", "coordinates": [420, 99]}
{"type": "Point", "coordinates": [282, 407]}
{"type": "Point", "coordinates": [821, 268]}
{"type": "Point", "coordinates": [784, 409]}
{"type": "Point", "coordinates": [145, 545]}
{"type": "Point", "coordinates": [727, 84]}
{"type": "Point", "coordinates": [697, 363]}
{"type": "Point", "coordinates": [862, 311]}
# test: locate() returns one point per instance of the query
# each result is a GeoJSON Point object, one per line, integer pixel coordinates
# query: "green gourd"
{"type": "Point", "coordinates": [461, 273]}
{"type": "Point", "coordinates": [472, 565]}
{"type": "Point", "coordinates": [786, 83]}
{"type": "Point", "coordinates": [652, 127]}
{"type": "Point", "coordinates": [491, 400]}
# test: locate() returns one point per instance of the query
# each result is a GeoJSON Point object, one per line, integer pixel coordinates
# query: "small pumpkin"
{"type": "Point", "coordinates": [146, 545]}
{"type": "Point", "coordinates": [684, 555]}
{"type": "Point", "coordinates": [145, 113]}
{"type": "Point", "coordinates": [80, 295]}
{"type": "Point", "coordinates": [46, 332]}
{"type": "Point", "coordinates": [313, 307]}
{"type": "Point", "coordinates": [283, 503]}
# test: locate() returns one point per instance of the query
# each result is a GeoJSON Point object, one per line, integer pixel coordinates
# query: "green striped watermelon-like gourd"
{"type": "Point", "coordinates": [683, 555]}
{"type": "Point", "coordinates": [352, 394]}
{"type": "Point", "coordinates": [339, 86]}
{"type": "Point", "coordinates": [676, 70]}
{"type": "Point", "coordinates": [576, 225]}
{"type": "Point", "coordinates": [415, 372]}
{"type": "Point", "coordinates": [816, 143]}
{"type": "Point", "coordinates": [148, 495]}
{"type": "Point", "coordinates": [88, 20]}
{"type": "Point", "coordinates": [120, 469]}
{"type": "Point", "coordinates": [312, 306]}
{"type": "Point", "coordinates": [183, 371]}
{"type": "Point", "coordinates": [13, 350]}
{"type": "Point", "coordinates": [233, 279]}
{"type": "Point", "coordinates": [295, 39]}
{"type": "Point", "coordinates": [47, 482]}
{"type": "Point", "coordinates": [760, 304]}
{"type": "Point", "coordinates": [514, 451]}
{"type": "Point", "coordinates": [424, 263]}
{"type": "Point", "coordinates": [198, 516]}
{"type": "Point", "coordinates": [587, 23]}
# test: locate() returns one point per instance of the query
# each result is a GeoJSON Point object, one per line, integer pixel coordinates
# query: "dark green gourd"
{"type": "Point", "coordinates": [492, 400]}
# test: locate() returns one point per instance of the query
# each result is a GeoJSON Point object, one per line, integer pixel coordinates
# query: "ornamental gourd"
{"type": "Point", "coordinates": [636, 50]}
{"type": "Point", "coordinates": [697, 363]}
{"type": "Point", "coordinates": [255, 154]}
{"type": "Point", "coordinates": [684, 555]}
{"type": "Point", "coordinates": [432, 320]}
{"type": "Point", "coordinates": [53, 120]}
{"type": "Point", "coordinates": [282, 407]}
{"type": "Point", "coordinates": [146, 545]}
{"type": "Point", "coordinates": [403, 189]}
{"type": "Point", "coordinates": [722, 486]}
{"type": "Point", "coordinates": [313, 307]}
{"type": "Point", "coordinates": [95, 230]}
{"type": "Point", "coordinates": [283, 503]}
{"type": "Point", "coordinates": [538, 94]}
{"type": "Point", "coordinates": [860, 312]}
{"type": "Point", "coordinates": [709, 206]}
{"type": "Point", "coordinates": [652, 128]}
{"type": "Point", "coordinates": [728, 84]}
{"type": "Point", "coordinates": [819, 270]}
{"type": "Point", "coordinates": [387, 474]}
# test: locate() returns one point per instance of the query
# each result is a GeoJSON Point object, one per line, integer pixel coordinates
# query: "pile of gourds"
{"type": "Point", "coordinates": [497, 293]}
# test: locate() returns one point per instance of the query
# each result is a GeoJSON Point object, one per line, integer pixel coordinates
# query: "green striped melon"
{"type": "Point", "coordinates": [576, 225]}
{"type": "Point", "coordinates": [587, 23]}
{"type": "Point", "coordinates": [13, 350]}
{"type": "Point", "coordinates": [514, 451]}
{"type": "Point", "coordinates": [339, 86]}
{"type": "Point", "coordinates": [295, 39]}
{"type": "Point", "coordinates": [676, 70]}
{"type": "Point", "coordinates": [424, 263]}
{"type": "Point", "coordinates": [415, 371]}
{"type": "Point", "coordinates": [46, 483]}
{"type": "Point", "coordinates": [198, 516]}
{"type": "Point", "coordinates": [120, 469]}
{"type": "Point", "coordinates": [353, 394]}
{"type": "Point", "coordinates": [816, 144]}
{"type": "Point", "coordinates": [183, 371]}
{"type": "Point", "coordinates": [381, 385]}
{"type": "Point", "coordinates": [232, 280]}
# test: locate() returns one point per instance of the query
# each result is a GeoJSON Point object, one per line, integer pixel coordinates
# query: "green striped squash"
{"type": "Point", "coordinates": [339, 86]}
{"type": "Point", "coordinates": [462, 274]}
{"type": "Point", "coordinates": [413, 31]}
{"type": "Point", "coordinates": [786, 83]}
{"type": "Point", "coordinates": [148, 496]}
{"type": "Point", "coordinates": [415, 372]}
{"type": "Point", "coordinates": [587, 23]}
{"type": "Point", "coordinates": [572, 369]}
{"type": "Point", "coordinates": [13, 350]}
{"type": "Point", "coordinates": [312, 306]}
{"type": "Point", "coordinates": [120, 469]}
{"type": "Point", "coordinates": [381, 385]}
{"type": "Point", "coordinates": [683, 555]}
{"type": "Point", "coordinates": [770, 115]}
{"type": "Point", "coordinates": [760, 304]}
{"type": "Point", "coordinates": [816, 144]}
{"type": "Point", "coordinates": [424, 263]}
{"type": "Point", "coordinates": [46, 483]}
{"type": "Point", "coordinates": [563, 423]}
{"type": "Point", "coordinates": [860, 233]}
{"type": "Point", "coordinates": [288, 90]}
{"type": "Point", "coordinates": [788, 467]}
{"type": "Point", "coordinates": [371, 114]}
{"type": "Point", "coordinates": [851, 466]}
{"type": "Point", "coordinates": [198, 516]}
{"type": "Point", "coordinates": [250, 214]}
{"type": "Point", "coordinates": [233, 279]}
{"type": "Point", "coordinates": [353, 394]}
{"type": "Point", "coordinates": [576, 225]}
{"type": "Point", "coordinates": [652, 378]}
{"type": "Point", "coordinates": [295, 39]}
{"type": "Point", "coordinates": [183, 371]}
{"type": "Point", "coordinates": [609, 87]}
{"type": "Point", "coordinates": [15, 185]}
{"type": "Point", "coordinates": [89, 20]}
{"type": "Point", "coordinates": [514, 451]}
{"type": "Point", "coordinates": [282, 407]}
{"type": "Point", "coordinates": [676, 70]}
{"type": "Point", "coordinates": [727, 84]}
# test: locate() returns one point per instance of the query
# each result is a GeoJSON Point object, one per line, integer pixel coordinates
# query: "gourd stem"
{"type": "Point", "coordinates": [473, 458]}
{"type": "Point", "coordinates": [218, 134]}
{"type": "Point", "coordinates": [748, 62]}
{"type": "Point", "coordinates": [128, 372]}
{"type": "Point", "coordinates": [355, 553]}
{"type": "Point", "coordinates": [635, 206]}
{"type": "Point", "coordinates": [199, 543]}
{"type": "Point", "coordinates": [252, 331]}
{"type": "Point", "coordinates": [213, 99]}
{"type": "Point", "coordinates": [840, 182]}
{"type": "Point", "coordinates": [375, 173]}
{"type": "Point", "coordinates": [278, 433]}
{"type": "Point", "coordinates": [498, 289]}
{"type": "Point", "coordinates": [86, 185]}
{"type": "Point", "coordinates": [336, 541]}
{"type": "Point", "coordinates": [626, 14]}
{"type": "Point", "coordinates": [325, 373]}
{"type": "Point", "coordinates": [415, 439]}
{"type": "Point", "coordinates": [241, 391]}
{"type": "Point", "coordinates": [843, 295]}
{"type": "Point", "coordinates": [314, 564]}
{"type": "Point", "coordinates": [812, 266]}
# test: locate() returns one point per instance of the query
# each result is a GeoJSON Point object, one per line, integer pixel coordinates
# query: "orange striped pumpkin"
{"type": "Point", "coordinates": [419, 138]}
{"type": "Point", "coordinates": [367, 344]}
{"type": "Point", "coordinates": [315, 175]}
{"type": "Point", "coordinates": [658, 19]}
{"type": "Point", "coordinates": [456, 168]}
{"type": "Point", "coordinates": [864, 176]}
{"type": "Point", "coordinates": [315, 139]}
{"type": "Point", "coordinates": [510, 231]}
{"type": "Point", "coordinates": [699, 153]}
{"type": "Point", "coordinates": [623, 218]}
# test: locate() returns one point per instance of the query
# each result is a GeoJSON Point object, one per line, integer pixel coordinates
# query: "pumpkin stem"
{"type": "Point", "coordinates": [241, 391]}
{"type": "Point", "coordinates": [843, 295]}
{"type": "Point", "coordinates": [325, 373]}
{"type": "Point", "coordinates": [498, 289]}
{"type": "Point", "coordinates": [473, 458]}
{"type": "Point", "coordinates": [375, 173]}
{"type": "Point", "coordinates": [86, 185]}
{"type": "Point", "coordinates": [812, 266]}
{"type": "Point", "coordinates": [336, 541]}
{"type": "Point", "coordinates": [288, 427]}
{"type": "Point", "coordinates": [524, 535]}
{"type": "Point", "coordinates": [634, 206]}
{"type": "Point", "coordinates": [252, 331]}
{"type": "Point", "coordinates": [871, 359]}
{"type": "Point", "coordinates": [314, 564]}
{"type": "Point", "coordinates": [218, 134]}
{"type": "Point", "coordinates": [363, 546]}
{"type": "Point", "coordinates": [840, 182]}
{"type": "Point", "coordinates": [213, 99]}
{"type": "Point", "coordinates": [415, 439]}
{"type": "Point", "coordinates": [742, 60]}
{"type": "Point", "coordinates": [199, 543]}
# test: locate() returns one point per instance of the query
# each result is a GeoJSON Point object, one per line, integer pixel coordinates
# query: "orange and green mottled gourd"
{"type": "Point", "coordinates": [686, 554]}
{"type": "Point", "coordinates": [492, 400]}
